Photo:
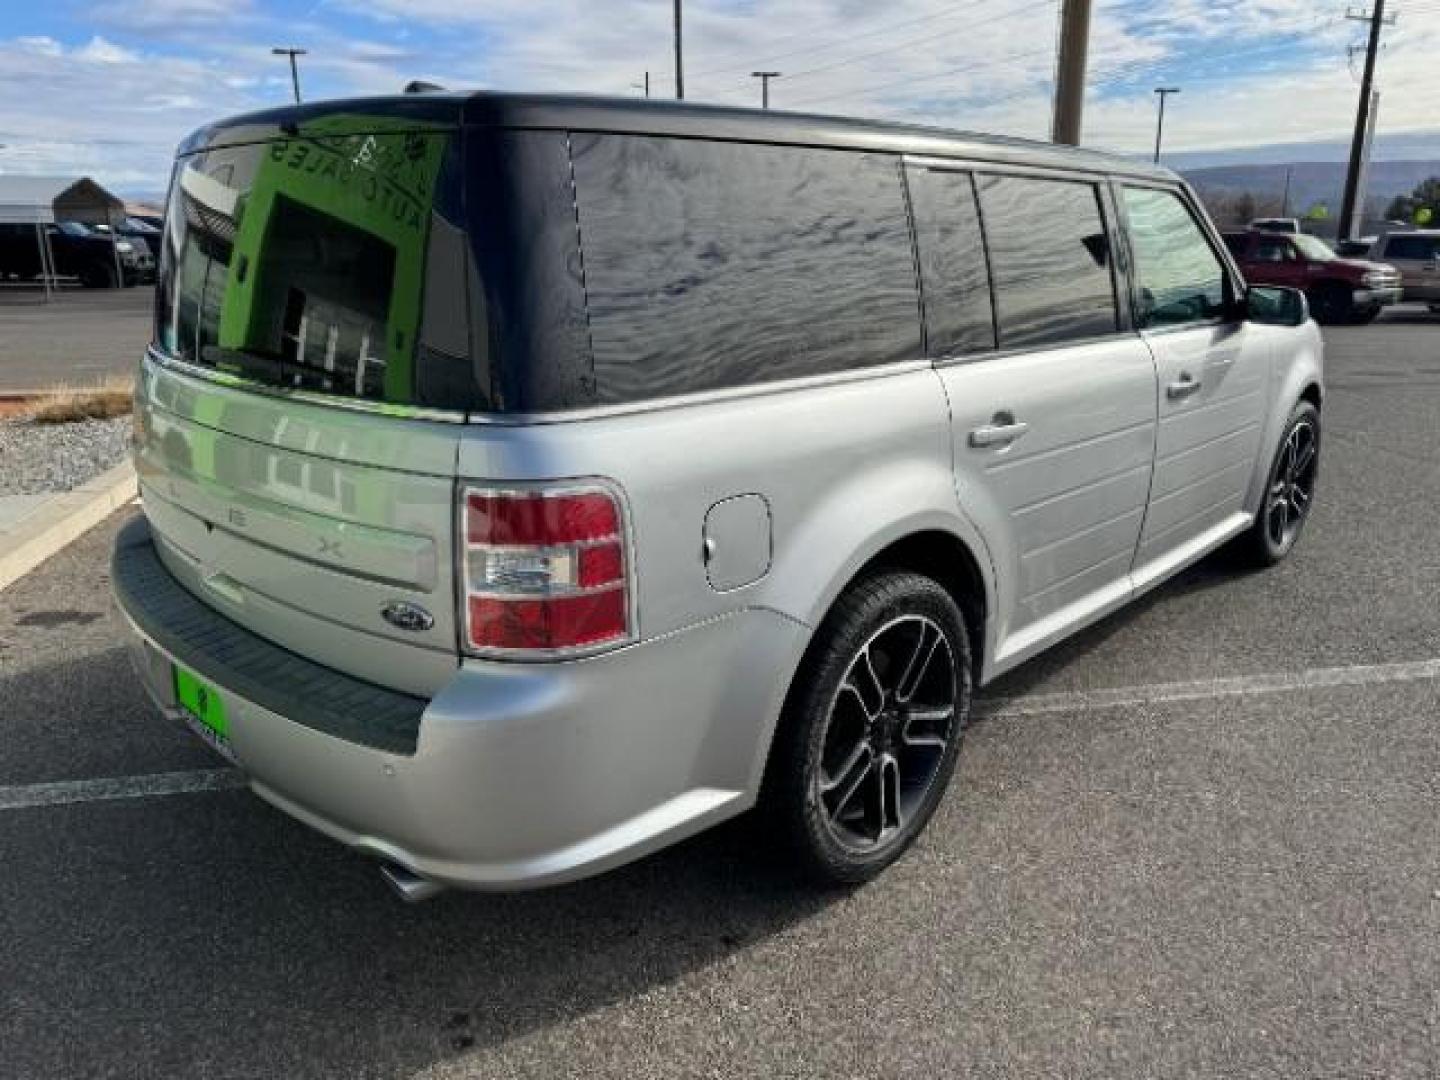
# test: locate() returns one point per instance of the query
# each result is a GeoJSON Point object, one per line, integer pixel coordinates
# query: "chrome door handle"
{"type": "Point", "coordinates": [997, 434]}
{"type": "Point", "coordinates": [1182, 388]}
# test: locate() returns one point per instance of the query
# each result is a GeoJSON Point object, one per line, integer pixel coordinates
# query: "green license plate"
{"type": "Point", "coordinates": [202, 704]}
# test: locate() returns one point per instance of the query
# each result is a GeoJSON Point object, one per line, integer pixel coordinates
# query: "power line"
{"type": "Point", "coordinates": [739, 53]}
{"type": "Point", "coordinates": [968, 28]}
{"type": "Point", "coordinates": [924, 78]}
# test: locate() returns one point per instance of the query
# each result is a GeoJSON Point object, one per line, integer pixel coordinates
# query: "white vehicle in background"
{"type": "Point", "coordinates": [1277, 224]}
{"type": "Point", "coordinates": [1416, 254]}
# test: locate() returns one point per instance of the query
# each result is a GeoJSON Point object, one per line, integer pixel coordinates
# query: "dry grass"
{"type": "Point", "coordinates": [97, 401]}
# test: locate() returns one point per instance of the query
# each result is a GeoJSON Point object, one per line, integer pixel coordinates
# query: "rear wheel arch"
{"type": "Point", "coordinates": [937, 554]}
{"type": "Point", "coordinates": [948, 560]}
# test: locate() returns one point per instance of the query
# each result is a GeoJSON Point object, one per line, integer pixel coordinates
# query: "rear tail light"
{"type": "Point", "coordinates": [544, 571]}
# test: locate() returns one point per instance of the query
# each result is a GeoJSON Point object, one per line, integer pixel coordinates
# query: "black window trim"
{"type": "Point", "coordinates": [906, 165]}
{"type": "Point", "coordinates": [1234, 279]}
{"type": "Point", "coordinates": [1124, 321]}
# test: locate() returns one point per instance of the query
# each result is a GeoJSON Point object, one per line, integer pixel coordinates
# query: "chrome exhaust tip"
{"type": "Point", "coordinates": [408, 885]}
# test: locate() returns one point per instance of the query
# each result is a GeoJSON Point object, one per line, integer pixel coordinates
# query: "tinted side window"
{"type": "Point", "coordinates": [1410, 247]}
{"type": "Point", "coordinates": [1180, 278]}
{"type": "Point", "coordinates": [1274, 249]}
{"type": "Point", "coordinates": [1049, 259]}
{"type": "Point", "coordinates": [713, 264]}
{"type": "Point", "coordinates": [958, 316]}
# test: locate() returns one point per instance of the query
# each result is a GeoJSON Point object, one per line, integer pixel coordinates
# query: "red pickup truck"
{"type": "Point", "coordinates": [1339, 290]}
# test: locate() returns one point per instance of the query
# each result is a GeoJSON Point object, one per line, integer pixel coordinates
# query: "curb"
{"type": "Point", "coordinates": [43, 532]}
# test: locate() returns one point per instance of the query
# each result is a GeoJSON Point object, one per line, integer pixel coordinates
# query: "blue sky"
{"type": "Point", "coordinates": [107, 87]}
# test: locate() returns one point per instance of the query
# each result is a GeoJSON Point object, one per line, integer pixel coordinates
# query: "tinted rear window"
{"type": "Point", "coordinates": [301, 263]}
{"type": "Point", "coordinates": [710, 265]}
{"type": "Point", "coordinates": [1049, 258]}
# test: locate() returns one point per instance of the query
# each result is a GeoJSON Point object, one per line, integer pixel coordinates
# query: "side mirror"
{"type": "Point", "coordinates": [1276, 306]}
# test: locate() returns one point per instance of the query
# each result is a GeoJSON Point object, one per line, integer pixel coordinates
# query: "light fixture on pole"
{"type": "Point", "coordinates": [1164, 92]}
{"type": "Point", "coordinates": [294, 70]}
{"type": "Point", "coordinates": [765, 77]}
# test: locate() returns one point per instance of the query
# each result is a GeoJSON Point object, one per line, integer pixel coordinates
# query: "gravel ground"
{"type": "Point", "coordinates": [58, 457]}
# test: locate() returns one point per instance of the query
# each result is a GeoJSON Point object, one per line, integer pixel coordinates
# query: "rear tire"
{"type": "Point", "coordinates": [1289, 490]}
{"type": "Point", "coordinates": [871, 730]}
{"type": "Point", "coordinates": [1330, 303]}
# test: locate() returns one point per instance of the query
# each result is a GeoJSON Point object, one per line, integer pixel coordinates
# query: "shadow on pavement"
{"type": "Point", "coordinates": [211, 935]}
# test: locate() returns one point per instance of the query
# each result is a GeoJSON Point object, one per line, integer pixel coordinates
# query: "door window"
{"type": "Point", "coordinates": [958, 315]}
{"type": "Point", "coordinates": [1049, 259]}
{"type": "Point", "coordinates": [1181, 278]}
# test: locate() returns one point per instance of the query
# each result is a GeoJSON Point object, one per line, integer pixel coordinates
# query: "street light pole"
{"type": "Point", "coordinates": [765, 77]}
{"type": "Point", "coordinates": [294, 70]}
{"type": "Point", "coordinates": [679, 58]}
{"type": "Point", "coordinates": [1164, 92]}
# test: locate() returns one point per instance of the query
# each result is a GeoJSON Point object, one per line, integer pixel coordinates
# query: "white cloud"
{"type": "Point", "coordinates": [43, 46]}
{"type": "Point", "coordinates": [99, 51]}
{"type": "Point", "coordinates": [167, 15]}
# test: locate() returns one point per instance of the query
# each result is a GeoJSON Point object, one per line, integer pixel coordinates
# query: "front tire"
{"type": "Point", "coordinates": [1330, 303]}
{"type": "Point", "coordinates": [871, 731]}
{"type": "Point", "coordinates": [1289, 489]}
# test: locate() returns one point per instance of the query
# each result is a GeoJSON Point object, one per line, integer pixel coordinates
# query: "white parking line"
{"type": "Point", "coordinates": [1205, 689]}
{"type": "Point", "coordinates": [60, 793]}
{"type": "Point", "coordinates": [65, 792]}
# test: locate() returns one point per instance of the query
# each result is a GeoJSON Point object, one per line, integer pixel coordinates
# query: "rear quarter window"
{"type": "Point", "coordinates": [711, 265]}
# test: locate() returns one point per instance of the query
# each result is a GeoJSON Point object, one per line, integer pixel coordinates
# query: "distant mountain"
{"type": "Point", "coordinates": [1392, 146]}
{"type": "Point", "coordinates": [1312, 182]}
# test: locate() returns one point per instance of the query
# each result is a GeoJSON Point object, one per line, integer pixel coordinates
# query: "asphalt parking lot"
{"type": "Point", "coordinates": [1201, 839]}
{"type": "Point", "coordinates": [80, 336]}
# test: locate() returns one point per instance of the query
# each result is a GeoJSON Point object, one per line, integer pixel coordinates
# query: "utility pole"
{"type": "Point", "coordinates": [1070, 72]}
{"type": "Point", "coordinates": [1164, 92]}
{"type": "Point", "coordinates": [645, 84]}
{"type": "Point", "coordinates": [1363, 113]}
{"type": "Point", "coordinates": [1285, 198]}
{"type": "Point", "coordinates": [765, 77]}
{"type": "Point", "coordinates": [294, 70]}
{"type": "Point", "coordinates": [679, 58]}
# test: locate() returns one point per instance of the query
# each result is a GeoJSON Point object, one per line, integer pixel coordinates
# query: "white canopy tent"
{"type": "Point", "coordinates": [44, 200]}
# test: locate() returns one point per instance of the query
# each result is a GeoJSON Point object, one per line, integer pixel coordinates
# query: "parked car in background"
{"type": "Point", "coordinates": [505, 576]}
{"type": "Point", "coordinates": [1339, 289]}
{"type": "Point", "coordinates": [1416, 254]}
{"type": "Point", "coordinates": [1276, 225]}
{"type": "Point", "coordinates": [145, 239]}
{"type": "Point", "coordinates": [79, 252]}
{"type": "Point", "coordinates": [1358, 248]}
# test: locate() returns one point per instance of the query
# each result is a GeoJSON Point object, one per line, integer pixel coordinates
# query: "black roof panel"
{"type": "Point", "coordinates": [582, 112]}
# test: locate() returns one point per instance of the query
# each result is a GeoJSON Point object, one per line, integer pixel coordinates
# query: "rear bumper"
{"type": "Point", "coordinates": [521, 775]}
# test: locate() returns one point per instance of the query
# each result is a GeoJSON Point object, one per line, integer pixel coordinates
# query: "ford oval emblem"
{"type": "Point", "coordinates": [407, 616]}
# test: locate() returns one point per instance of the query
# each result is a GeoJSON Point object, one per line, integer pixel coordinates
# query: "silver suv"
{"type": "Point", "coordinates": [531, 482]}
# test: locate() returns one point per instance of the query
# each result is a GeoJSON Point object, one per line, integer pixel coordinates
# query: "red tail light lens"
{"type": "Point", "coordinates": [544, 571]}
